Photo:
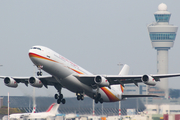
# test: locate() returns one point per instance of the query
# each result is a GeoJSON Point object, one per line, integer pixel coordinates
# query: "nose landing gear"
{"type": "Point", "coordinates": [39, 73]}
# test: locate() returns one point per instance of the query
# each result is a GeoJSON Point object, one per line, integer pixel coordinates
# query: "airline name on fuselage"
{"type": "Point", "coordinates": [66, 60]}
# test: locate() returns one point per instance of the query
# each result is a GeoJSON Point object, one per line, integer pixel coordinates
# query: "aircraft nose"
{"type": "Point", "coordinates": [35, 53]}
{"type": "Point", "coordinates": [33, 56]}
{"type": "Point", "coordinates": [30, 53]}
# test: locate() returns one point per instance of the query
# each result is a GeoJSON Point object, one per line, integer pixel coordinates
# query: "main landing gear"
{"type": "Point", "coordinates": [97, 98]}
{"type": "Point", "coordinates": [60, 98]}
{"type": "Point", "coordinates": [80, 96]}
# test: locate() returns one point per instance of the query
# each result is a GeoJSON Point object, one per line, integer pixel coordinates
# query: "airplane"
{"type": "Point", "coordinates": [66, 74]}
{"type": "Point", "coordinates": [50, 112]}
{"type": "Point", "coordinates": [20, 115]}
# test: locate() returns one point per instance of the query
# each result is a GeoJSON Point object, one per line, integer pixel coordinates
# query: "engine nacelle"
{"type": "Point", "coordinates": [35, 82]}
{"type": "Point", "coordinates": [101, 81]}
{"type": "Point", "coordinates": [148, 80]}
{"type": "Point", "coordinates": [10, 82]}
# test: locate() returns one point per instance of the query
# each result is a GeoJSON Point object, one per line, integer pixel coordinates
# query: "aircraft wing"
{"type": "Point", "coordinates": [18, 79]}
{"type": "Point", "coordinates": [123, 79]}
{"type": "Point", "coordinates": [128, 96]}
{"type": "Point", "coordinates": [46, 80]}
{"type": "Point", "coordinates": [116, 79]}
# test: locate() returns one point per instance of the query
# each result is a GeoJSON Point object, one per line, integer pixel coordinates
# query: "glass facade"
{"type": "Point", "coordinates": [163, 36]}
{"type": "Point", "coordinates": [156, 92]}
{"type": "Point", "coordinates": [162, 17]}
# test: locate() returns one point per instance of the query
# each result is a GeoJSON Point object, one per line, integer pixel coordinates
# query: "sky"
{"type": "Point", "coordinates": [95, 34]}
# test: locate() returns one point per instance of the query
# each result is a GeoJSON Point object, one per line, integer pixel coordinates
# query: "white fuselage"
{"type": "Point", "coordinates": [51, 112]}
{"type": "Point", "coordinates": [32, 115]}
{"type": "Point", "coordinates": [64, 70]}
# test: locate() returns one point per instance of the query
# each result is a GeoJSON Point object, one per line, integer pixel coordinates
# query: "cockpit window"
{"type": "Point", "coordinates": [36, 48]}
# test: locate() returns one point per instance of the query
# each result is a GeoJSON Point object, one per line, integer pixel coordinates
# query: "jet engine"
{"type": "Point", "coordinates": [148, 80]}
{"type": "Point", "coordinates": [10, 82]}
{"type": "Point", "coordinates": [101, 81]}
{"type": "Point", "coordinates": [35, 82]}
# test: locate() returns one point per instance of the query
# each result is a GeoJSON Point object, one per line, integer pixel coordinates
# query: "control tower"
{"type": "Point", "coordinates": [162, 36]}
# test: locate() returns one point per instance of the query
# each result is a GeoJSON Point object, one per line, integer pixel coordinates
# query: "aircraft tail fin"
{"type": "Point", "coordinates": [53, 108]}
{"type": "Point", "coordinates": [130, 96]}
{"type": "Point", "coordinates": [124, 70]}
{"type": "Point", "coordinates": [34, 109]}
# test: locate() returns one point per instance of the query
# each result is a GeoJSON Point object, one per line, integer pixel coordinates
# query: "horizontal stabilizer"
{"type": "Point", "coordinates": [128, 96]}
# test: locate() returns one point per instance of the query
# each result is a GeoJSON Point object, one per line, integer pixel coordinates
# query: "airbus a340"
{"type": "Point", "coordinates": [66, 74]}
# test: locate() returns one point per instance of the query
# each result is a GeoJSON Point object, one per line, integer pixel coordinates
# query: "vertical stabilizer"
{"type": "Point", "coordinates": [124, 70]}
{"type": "Point", "coordinates": [34, 109]}
{"type": "Point", "coordinates": [53, 108]}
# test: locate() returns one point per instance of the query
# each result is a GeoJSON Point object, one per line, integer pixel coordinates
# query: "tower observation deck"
{"type": "Point", "coordinates": [162, 36]}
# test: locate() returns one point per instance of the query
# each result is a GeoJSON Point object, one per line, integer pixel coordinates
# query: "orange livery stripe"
{"type": "Point", "coordinates": [110, 95]}
{"type": "Point", "coordinates": [41, 57]}
{"type": "Point", "coordinates": [76, 71]}
{"type": "Point", "coordinates": [122, 89]}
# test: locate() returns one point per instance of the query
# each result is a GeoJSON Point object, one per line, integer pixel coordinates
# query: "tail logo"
{"type": "Point", "coordinates": [49, 109]}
